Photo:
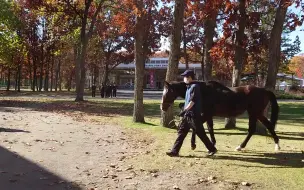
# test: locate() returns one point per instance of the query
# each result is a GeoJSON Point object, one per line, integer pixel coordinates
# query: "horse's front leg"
{"type": "Point", "coordinates": [251, 131]}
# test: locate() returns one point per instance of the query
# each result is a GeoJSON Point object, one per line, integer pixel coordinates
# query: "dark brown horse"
{"type": "Point", "coordinates": [219, 100]}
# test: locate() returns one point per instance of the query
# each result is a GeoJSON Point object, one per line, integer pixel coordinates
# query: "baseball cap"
{"type": "Point", "coordinates": [188, 73]}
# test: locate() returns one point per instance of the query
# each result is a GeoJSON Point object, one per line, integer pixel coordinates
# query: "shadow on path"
{"type": "Point", "coordinates": [9, 130]}
{"type": "Point", "coordinates": [275, 160]}
{"type": "Point", "coordinates": [18, 173]}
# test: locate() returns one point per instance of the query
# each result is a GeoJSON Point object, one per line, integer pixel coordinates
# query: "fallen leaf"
{"type": "Point", "coordinates": [244, 183]}
{"type": "Point", "coordinates": [211, 178]}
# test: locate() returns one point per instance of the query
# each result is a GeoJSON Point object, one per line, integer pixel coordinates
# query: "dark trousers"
{"type": "Point", "coordinates": [196, 124]}
{"type": "Point", "coordinates": [114, 93]}
{"type": "Point", "coordinates": [93, 93]}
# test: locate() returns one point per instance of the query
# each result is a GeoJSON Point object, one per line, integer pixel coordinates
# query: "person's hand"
{"type": "Point", "coordinates": [181, 114]}
{"type": "Point", "coordinates": [181, 106]}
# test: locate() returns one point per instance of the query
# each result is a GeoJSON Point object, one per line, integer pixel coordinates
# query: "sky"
{"type": "Point", "coordinates": [298, 31]}
{"type": "Point", "coordinates": [301, 36]}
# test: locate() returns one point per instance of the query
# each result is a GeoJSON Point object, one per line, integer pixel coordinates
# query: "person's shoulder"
{"type": "Point", "coordinates": [195, 85]}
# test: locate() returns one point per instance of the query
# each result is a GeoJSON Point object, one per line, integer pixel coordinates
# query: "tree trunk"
{"type": "Point", "coordinates": [95, 73]}
{"type": "Point", "coordinates": [8, 79]}
{"type": "Point", "coordinates": [35, 73]}
{"type": "Point", "coordinates": [106, 71]}
{"type": "Point", "coordinates": [256, 73]}
{"type": "Point", "coordinates": [30, 68]}
{"type": "Point", "coordinates": [174, 55]}
{"type": "Point", "coordinates": [41, 68]}
{"type": "Point", "coordinates": [16, 79]}
{"type": "Point", "coordinates": [59, 76]}
{"type": "Point", "coordinates": [46, 80]}
{"type": "Point", "coordinates": [52, 72]}
{"type": "Point", "coordinates": [275, 45]}
{"type": "Point", "coordinates": [70, 81]}
{"type": "Point", "coordinates": [209, 27]}
{"type": "Point", "coordinates": [140, 56]}
{"type": "Point", "coordinates": [203, 66]}
{"type": "Point", "coordinates": [84, 38]}
{"type": "Point", "coordinates": [185, 47]}
{"type": "Point", "coordinates": [239, 56]}
{"type": "Point", "coordinates": [19, 76]}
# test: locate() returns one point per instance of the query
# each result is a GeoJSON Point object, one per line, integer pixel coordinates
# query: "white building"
{"type": "Point", "coordinates": [155, 72]}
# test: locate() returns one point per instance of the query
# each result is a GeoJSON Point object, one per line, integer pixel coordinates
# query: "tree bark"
{"type": "Point", "coordinates": [203, 66]}
{"type": "Point", "coordinates": [106, 70]}
{"type": "Point", "coordinates": [19, 76]}
{"type": "Point", "coordinates": [34, 74]}
{"type": "Point", "coordinates": [209, 28]}
{"type": "Point", "coordinates": [185, 47]}
{"type": "Point", "coordinates": [140, 56]}
{"type": "Point", "coordinates": [84, 38]}
{"type": "Point", "coordinates": [30, 68]}
{"type": "Point", "coordinates": [174, 55]}
{"type": "Point", "coordinates": [275, 45]}
{"type": "Point", "coordinates": [16, 79]}
{"type": "Point", "coordinates": [70, 81]}
{"type": "Point", "coordinates": [239, 56]}
{"type": "Point", "coordinates": [46, 80]}
{"type": "Point", "coordinates": [52, 72]}
{"type": "Point", "coordinates": [57, 74]}
{"type": "Point", "coordinates": [41, 68]}
{"type": "Point", "coordinates": [8, 79]}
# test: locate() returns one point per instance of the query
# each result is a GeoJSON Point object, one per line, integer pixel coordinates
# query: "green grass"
{"type": "Point", "coordinates": [289, 96]}
{"type": "Point", "coordinates": [258, 164]}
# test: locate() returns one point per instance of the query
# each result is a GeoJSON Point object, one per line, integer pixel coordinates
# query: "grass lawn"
{"type": "Point", "coordinates": [258, 164]}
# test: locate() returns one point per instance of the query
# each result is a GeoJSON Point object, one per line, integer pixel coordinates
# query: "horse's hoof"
{"type": "Point", "coordinates": [239, 148]}
{"type": "Point", "coordinates": [277, 147]}
{"type": "Point", "coordinates": [193, 147]}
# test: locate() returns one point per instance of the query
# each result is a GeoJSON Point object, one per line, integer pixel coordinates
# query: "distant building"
{"type": "Point", "coordinates": [155, 73]}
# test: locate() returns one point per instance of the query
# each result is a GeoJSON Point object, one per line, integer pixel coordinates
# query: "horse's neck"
{"type": "Point", "coordinates": [181, 89]}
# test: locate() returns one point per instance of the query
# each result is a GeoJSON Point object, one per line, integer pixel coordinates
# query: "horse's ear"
{"type": "Point", "coordinates": [166, 84]}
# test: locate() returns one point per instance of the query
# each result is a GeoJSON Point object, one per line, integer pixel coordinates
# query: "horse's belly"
{"type": "Point", "coordinates": [227, 111]}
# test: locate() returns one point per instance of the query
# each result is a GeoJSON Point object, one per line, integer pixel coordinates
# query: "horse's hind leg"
{"type": "Point", "coordinates": [270, 128]}
{"type": "Point", "coordinates": [210, 129]}
{"type": "Point", "coordinates": [251, 131]}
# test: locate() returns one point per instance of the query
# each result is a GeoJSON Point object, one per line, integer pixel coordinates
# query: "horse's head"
{"type": "Point", "coordinates": [170, 93]}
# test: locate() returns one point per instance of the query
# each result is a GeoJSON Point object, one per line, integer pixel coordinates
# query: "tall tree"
{"type": "Point", "coordinates": [239, 57]}
{"type": "Point", "coordinates": [174, 56]}
{"type": "Point", "coordinates": [212, 9]}
{"type": "Point", "coordinates": [83, 43]}
{"type": "Point", "coordinates": [275, 44]}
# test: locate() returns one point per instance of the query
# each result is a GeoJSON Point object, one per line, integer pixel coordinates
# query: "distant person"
{"type": "Point", "coordinates": [102, 91]}
{"type": "Point", "coordinates": [111, 90]}
{"type": "Point", "coordinates": [93, 90]}
{"type": "Point", "coordinates": [114, 90]}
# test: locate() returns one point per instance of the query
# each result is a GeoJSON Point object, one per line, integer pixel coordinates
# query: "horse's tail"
{"type": "Point", "coordinates": [274, 108]}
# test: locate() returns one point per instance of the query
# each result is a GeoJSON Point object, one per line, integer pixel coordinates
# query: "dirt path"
{"type": "Point", "coordinates": [42, 150]}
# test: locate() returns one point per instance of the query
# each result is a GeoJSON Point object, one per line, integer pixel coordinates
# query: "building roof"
{"type": "Point", "coordinates": [158, 63]}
